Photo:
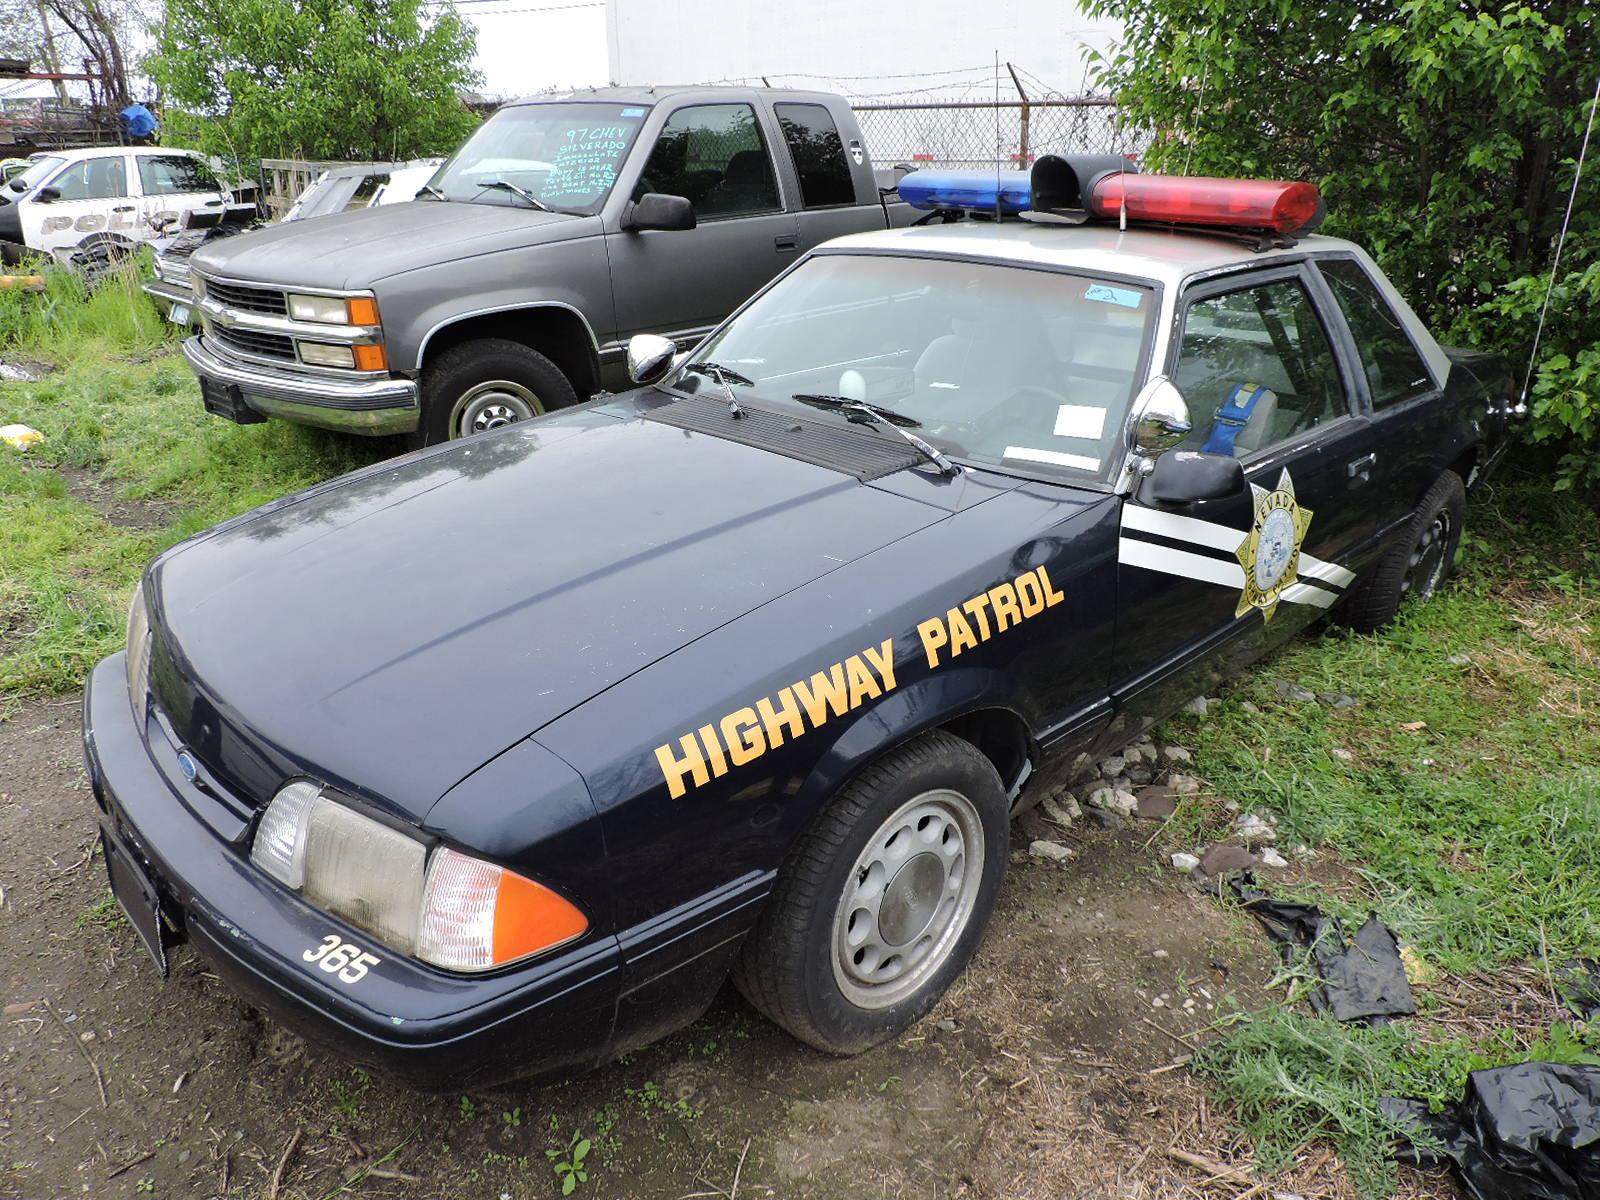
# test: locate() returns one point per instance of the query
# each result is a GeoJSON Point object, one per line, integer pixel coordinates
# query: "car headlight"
{"type": "Point", "coordinates": [138, 650]}
{"type": "Point", "coordinates": [444, 907]}
{"type": "Point", "coordinates": [326, 310]}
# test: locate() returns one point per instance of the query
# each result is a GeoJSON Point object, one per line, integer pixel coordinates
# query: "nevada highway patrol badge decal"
{"type": "Point", "coordinates": [1270, 556]}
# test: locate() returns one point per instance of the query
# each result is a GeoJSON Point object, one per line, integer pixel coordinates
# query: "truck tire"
{"type": "Point", "coordinates": [483, 385]}
{"type": "Point", "coordinates": [883, 899]}
{"type": "Point", "coordinates": [1419, 563]}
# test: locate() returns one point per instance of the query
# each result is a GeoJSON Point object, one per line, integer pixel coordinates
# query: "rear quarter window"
{"type": "Point", "coordinates": [1394, 370]}
{"type": "Point", "coordinates": [818, 153]}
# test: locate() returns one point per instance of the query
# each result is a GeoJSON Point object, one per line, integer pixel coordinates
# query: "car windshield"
{"type": "Point", "coordinates": [37, 171]}
{"type": "Point", "coordinates": [565, 155]}
{"type": "Point", "coordinates": [1027, 371]}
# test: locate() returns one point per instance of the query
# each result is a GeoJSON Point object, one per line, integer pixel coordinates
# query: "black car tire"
{"type": "Point", "coordinates": [487, 370]}
{"type": "Point", "coordinates": [1417, 565]}
{"type": "Point", "coordinates": [787, 967]}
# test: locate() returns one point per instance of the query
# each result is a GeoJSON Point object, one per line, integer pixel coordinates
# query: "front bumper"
{"type": "Point", "coordinates": [433, 1030]}
{"type": "Point", "coordinates": [373, 407]}
{"type": "Point", "coordinates": [167, 294]}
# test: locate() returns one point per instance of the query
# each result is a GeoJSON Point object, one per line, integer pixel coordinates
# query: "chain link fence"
{"type": "Point", "coordinates": [978, 133]}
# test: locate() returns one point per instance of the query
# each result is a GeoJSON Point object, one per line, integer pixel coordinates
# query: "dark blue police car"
{"type": "Point", "coordinates": [498, 759]}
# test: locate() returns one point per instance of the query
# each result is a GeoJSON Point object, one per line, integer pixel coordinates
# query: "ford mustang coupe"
{"type": "Point", "coordinates": [496, 760]}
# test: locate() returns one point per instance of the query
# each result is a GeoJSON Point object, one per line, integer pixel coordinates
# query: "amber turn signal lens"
{"type": "Point", "coordinates": [363, 310]}
{"type": "Point", "coordinates": [529, 917]}
{"type": "Point", "coordinates": [371, 358]}
{"type": "Point", "coordinates": [476, 915]}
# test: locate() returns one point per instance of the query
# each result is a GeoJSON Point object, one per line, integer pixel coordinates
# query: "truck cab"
{"type": "Point", "coordinates": [511, 285]}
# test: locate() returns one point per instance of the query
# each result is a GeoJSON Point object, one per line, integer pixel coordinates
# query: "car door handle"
{"type": "Point", "coordinates": [787, 241]}
{"type": "Point", "coordinates": [1361, 468]}
{"type": "Point", "coordinates": [123, 208]}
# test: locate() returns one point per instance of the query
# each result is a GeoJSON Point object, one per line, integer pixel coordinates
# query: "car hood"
{"type": "Point", "coordinates": [396, 629]}
{"type": "Point", "coordinates": [355, 249]}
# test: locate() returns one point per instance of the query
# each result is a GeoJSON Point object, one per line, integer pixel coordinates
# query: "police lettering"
{"type": "Point", "coordinates": [986, 614]}
{"type": "Point", "coordinates": [745, 734]}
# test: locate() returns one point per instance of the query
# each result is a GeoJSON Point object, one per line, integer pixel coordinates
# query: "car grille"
{"type": "Point", "coordinates": [249, 341]}
{"type": "Point", "coordinates": [248, 299]}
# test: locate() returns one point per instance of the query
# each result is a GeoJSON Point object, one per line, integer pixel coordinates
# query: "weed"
{"type": "Point", "coordinates": [512, 1118]}
{"type": "Point", "coordinates": [568, 1163]}
{"type": "Point", "coordinates": [347, 1097]}
{"type": "Point", "coordinates": [145, 1186]}
{"type": "Point", "coordinates": [467, 1108]}
{"type": "Point", "coordinates": [102, 912]}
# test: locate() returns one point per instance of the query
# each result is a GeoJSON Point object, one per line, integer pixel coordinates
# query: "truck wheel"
{"type": "Point", "coordinates": [1419, 563]}
{"type": "Point", "coordinates": [883, 899]}
{"type": "Point", "coordinates": [483, 385]}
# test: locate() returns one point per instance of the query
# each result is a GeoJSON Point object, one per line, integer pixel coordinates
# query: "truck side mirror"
{"type": "Point", "coordinates": [650, 357]}
{"type": "Point", "coordinates": [46, 194]}
{"type": "Point", "coordinates": [1190, 475]}
{"type": "Point", "coordinates": [656, 210]}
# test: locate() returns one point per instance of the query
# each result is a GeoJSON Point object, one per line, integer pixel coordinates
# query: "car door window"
{"type": "Point", "coordinates": [93, 179]}
{"type": "Point", "coordinates": [1394, 369]}
{"type": "Point", "coordinates": [1257, 368]}
{"type": "Point", "coordinates": [175, 174]}
{"type": "Point", "coordinates": [818, 153]}
{"type": "Point", "coordinates": [714, 155]}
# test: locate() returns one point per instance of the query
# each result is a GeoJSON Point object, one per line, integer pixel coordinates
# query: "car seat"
{"type": "Point", "coordinates": [746, 185]}
{"type": "Point", "coordinates": [1245, 421]}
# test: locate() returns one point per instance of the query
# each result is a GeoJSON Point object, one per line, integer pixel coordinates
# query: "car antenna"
{"type": "Point", "coordinates": [1577, 175]}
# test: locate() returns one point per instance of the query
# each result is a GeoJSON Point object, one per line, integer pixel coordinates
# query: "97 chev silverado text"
{"type": "Point", "coordinates": [821, 604]}
{"type": "Point", "coordinates": [510, 287]}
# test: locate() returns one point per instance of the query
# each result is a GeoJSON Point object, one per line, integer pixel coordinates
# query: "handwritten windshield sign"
{"type": "Point", "coordinates": [585, 164]}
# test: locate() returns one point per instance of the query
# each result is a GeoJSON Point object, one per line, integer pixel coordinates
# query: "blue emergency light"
{"type": "Point", "coordinates": [1009, 192]}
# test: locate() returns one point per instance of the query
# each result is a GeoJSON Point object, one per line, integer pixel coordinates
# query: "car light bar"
{"type": "Point", "coordinates": [1111, 187]}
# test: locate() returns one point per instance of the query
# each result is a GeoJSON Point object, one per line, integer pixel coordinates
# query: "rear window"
{"type": "Point", "coordinates": [818, 153]}
{"type": "Point", "coordinates": [1394, 369]}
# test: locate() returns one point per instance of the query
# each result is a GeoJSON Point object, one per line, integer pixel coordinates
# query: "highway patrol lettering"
{"type": "Point", "coordinates": [745, 734]}
{"type": "Point", "coordinates": [991, 612]}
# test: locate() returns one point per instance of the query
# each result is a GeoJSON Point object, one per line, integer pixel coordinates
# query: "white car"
{"type": "Point", "coordinates": [75, 199]}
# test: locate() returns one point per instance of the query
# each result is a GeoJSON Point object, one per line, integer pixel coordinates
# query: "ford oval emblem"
{"type": "Point", "coordinates": [186, 764]}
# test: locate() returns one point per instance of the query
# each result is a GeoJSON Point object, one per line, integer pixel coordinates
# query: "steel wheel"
{"type": "Point", "coordinates": [1426, 566]}
{"type": "Point", "coordinates": [908, 898]}
{"type": "Point", "coordinates": [491, 404]}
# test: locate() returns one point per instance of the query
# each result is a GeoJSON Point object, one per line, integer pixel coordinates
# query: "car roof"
{"type": "Point", "coordinates": [1166, 256]}
{"type": "Point", "coordinates": [662, 91]}
{"type": "Point", "coordinates": [83, 152]}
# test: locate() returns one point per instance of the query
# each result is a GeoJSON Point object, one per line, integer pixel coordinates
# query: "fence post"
{"type": "Point", "coordinates": [1022, 150]}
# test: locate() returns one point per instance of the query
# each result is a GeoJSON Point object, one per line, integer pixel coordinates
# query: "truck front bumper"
{"type": "Point", "coordinates": [432, 1029]}
{"type": "Point", "coordinates": [372, 407]}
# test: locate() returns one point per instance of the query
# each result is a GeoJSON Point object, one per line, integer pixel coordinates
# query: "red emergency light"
{"type": "Point", "coordinates": [1266, 204]}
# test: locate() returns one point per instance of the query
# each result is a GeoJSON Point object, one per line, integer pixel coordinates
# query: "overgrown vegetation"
{"type": "Point", "coordinates": [1443, 135]}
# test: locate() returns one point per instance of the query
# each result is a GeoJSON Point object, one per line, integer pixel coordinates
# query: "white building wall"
{"type": "Point", "coordinates": [928, 49]}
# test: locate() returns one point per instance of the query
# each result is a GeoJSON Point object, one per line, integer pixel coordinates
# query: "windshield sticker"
{"type": "Point", "coordinates": [586, 164]}
{"type": "Point", "coordinates": [1080, 421]}
{"type": "Point", "coordinates": [1054, 458]}
{"type": "Point", "coordinates": [633, 112]}
{"type": "Point", "coordinates": [745, 734]}
{"type": "Point", "coordinates": [1126, 297]}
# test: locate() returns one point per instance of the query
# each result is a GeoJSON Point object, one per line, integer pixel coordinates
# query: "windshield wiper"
{"type": "Point", "coordinates": [432, 191]}
{"type": "Point", "coordinates": [507, 186]}
{"type": "Point", "coordinates": [724, 376]}
{"type": "Point", "coordinates": [895, 421]}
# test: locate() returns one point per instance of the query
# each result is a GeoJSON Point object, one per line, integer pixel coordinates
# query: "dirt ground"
{"type": "Point", "coordinates": [1049, 1070]}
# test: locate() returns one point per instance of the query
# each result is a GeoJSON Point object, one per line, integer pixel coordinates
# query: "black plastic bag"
{"type": "Point", "coordinates": [1524, 1132]}
{"type": "Point", "coordinates": [1363, 980]}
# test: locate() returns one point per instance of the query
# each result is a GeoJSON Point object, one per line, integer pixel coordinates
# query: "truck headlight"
{"type": "Point", "coordinates": [138, 650]}
{"type": "Point", "coordinates": [326, 310]}
{"type": "Point", "coordinates": [446, 908]}
{"type": "Point", "coordinates": [322, 354]}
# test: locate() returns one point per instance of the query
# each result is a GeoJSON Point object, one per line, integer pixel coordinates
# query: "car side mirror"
{"type": "Point", "coordinates": [1191, 475]}
{"type": "Point", "coordinates": [46, 194]}
{"type": "Point", "coordinates": [1161, 418]}
{"type": "Point", "coordinates": [657, 210]}
{"type": "Point", "coordinates": [650, 357]}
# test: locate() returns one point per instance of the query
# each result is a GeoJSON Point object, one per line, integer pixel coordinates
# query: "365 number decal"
{"type": "Point", "coordinates": [339, 957]}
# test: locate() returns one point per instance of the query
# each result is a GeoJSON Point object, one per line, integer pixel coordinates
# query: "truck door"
{"type": "Point", "coordinates": [93, 200]}
{"type": "Point", "coordinates": [833, 181]}
{"type": "Point", "coordinates": [1205, 588]}
{"type": "Point", "coordinates": [173, 184]}
{"type": "Point", "coordinates": [683, 282]}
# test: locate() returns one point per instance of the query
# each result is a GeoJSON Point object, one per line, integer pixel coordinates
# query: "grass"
{"type": "Point", "coordinates": [119, 406]}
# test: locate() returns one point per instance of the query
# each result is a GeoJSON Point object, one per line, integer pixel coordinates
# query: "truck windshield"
{"type": "Point", "coordinates": [1022, 370]}
{"type": "Point", "coordinates": [565, 154]}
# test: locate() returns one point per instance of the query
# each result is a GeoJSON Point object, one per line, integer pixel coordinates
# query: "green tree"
{"type": "Point", "coordinates": [320, 79]}
{"type": "Point", "coordinates": [1443, 134]}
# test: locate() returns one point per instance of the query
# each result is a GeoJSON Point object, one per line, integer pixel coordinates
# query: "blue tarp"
{"type": "Point", "coordinates": [139, 121]}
